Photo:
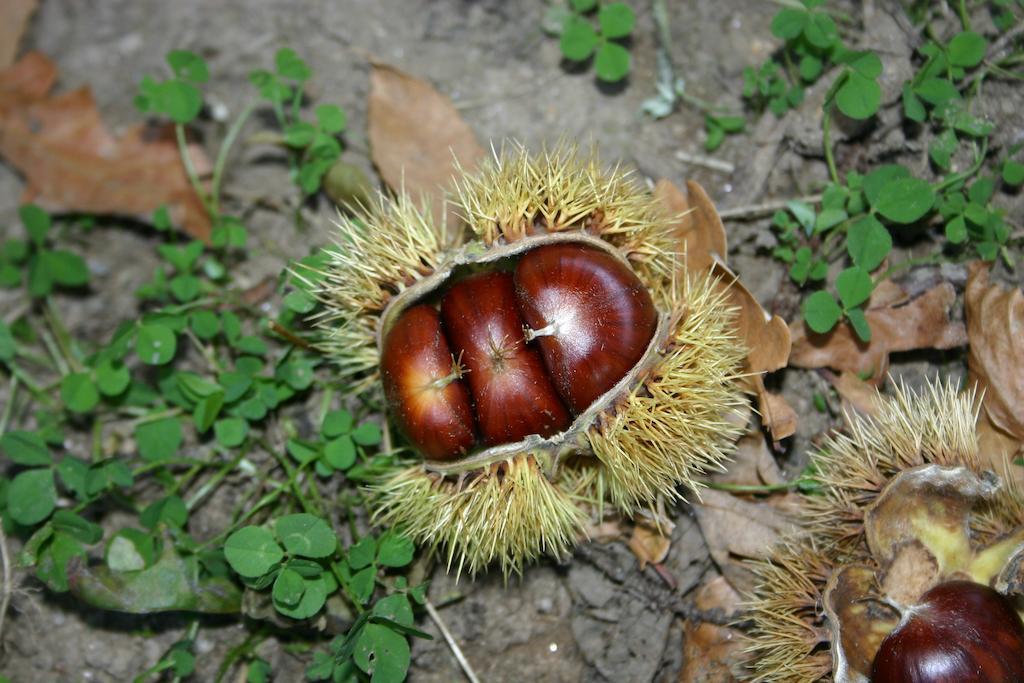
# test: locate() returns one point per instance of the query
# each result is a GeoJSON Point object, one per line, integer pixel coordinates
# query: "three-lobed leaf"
{"type": "Point", "coordinates": [252, 551]}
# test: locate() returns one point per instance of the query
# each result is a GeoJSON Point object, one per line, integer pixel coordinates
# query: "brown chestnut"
{"type": "Point", "coordinates": [510, 387]}
{"type": "Point", "coordinates": [961, 632]}
{"type": "Point", "coordinates": [421, 382]}
{"type": "Point", "coordinates": [591, 315]}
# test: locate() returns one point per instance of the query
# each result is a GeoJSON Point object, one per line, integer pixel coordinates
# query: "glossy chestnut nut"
{"type": "Point", "coordinates": [430, 403]}
{"type": "Point", "coordinates": [591, 315]}
{"type": "Point", "coordinates": [961, 631]}
{"type": "Point", "coordinates": [511, 392]}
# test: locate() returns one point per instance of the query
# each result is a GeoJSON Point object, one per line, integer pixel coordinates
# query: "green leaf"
{"type": "Point", "coordinates": [188, 65]}
{"type": "Point", "coordinates": [170, 510]}
{"type": "Point", "coordinates": [868, 243]}
{"type": "Point", "coordinates": [230, 432]}
{"type": "Point", "coordinates": [859, 322]}
{"type": "Point", "coordinates": [867, 64]}
{"type": "Point", "coordinates": [956, 230]}
{"type": "Point", "coordinates": [788, 23]}
{"type": "Point", "coordinates": [288, 588]}
{"type": "Point", "coordinates": [367, 434]}
{"type": "Point", "coordinates": [299, 301]}
{"type": "Point", "coordinates": [207, 410]}
{"type": "Point", "coordinates": [340, 453]}
{"type": "Point", "coordinates": [25, 448]}
{"type": "Point", "coordinates": [158, 440]}
{"type": "Point", "coordinates": [905, 200]}
{"type": "Point", "coordinates": [289, 65]}
{"type": "Point", "coordinates": [77, 527]}
{"type": "Point", "coordinates": [716, 136]}
{"type": "Point", "coordinates": [936, 91]}
{"type": "Point", "coordinates": [252, 551]}
{"type": "Point", "coordinates": [336, 423]}
{"type": "Point", "coordinates": [313, 598]}
{"type": "Point", "coordinates": [583, 6]}
{"type": "Point", "coordinates": [362, 553]}
{"type": "Point", "coordinates": [36, 221]}
{"type": "Point", "coordinates": [880, 178]}
{"type": "Point", "coordinates": [112, 377]}
{"type": "Point", "coordinates": [854, 286]}
{"type": "Point", "coordinates": [804, 214]}
{"type": "Point", "coordinates": [330, 117]}
{"type": "Point", "coordinates": [196, 387]}
{"type": "Point", "coordinates": [162, 218]}
{"type": "Point", "coordinates": [179, 100]}
{"type": "Point", "coordinates": [382, 653]}
{"type": "Point", "coordinates": [966, 49]}
{"type": "Point", "coordinates": [31, 496]}
{"type": "Point", "coordinates": [395, 550]}
{"type": "Point", "coordinates": [299, 134]}
{"type": "Point", "coordinates": [942, 148]}
{"type": "Point", "coordinates": [361, 584]}
{"type": "Point", "coordinates": [73, 473]}
{"type": "Point", "coordinates": [616, 20]}
{"type": "Point", "coordinates": [65, 268]}
{"type": "Point", "coordinates": [821, 312]}
{"type": "Point", "coordinates": [8, 348]}
{"type": "Point", "coordinates": [302, 451]}
{"type": "Point", "coordinates": [185, 288]}
{"type": "Point", "coordinates": [205, 324]}
{"type": "Point", "coordinates": [810, 67]}
{"type": "Point", "coordinates": [612, 62]}
{"type": "Point", "coordinates": [54, 559]}
{"type": "Point", "coordinates": [39, 281]}
{"type": "Point", "coordinates": [913, 109]}
{"type": "Point", "coordinates": [155, 344]}
{"type": "Point", "coordinates": [829, 218]}
{"type": "Point", "coordinates": [123, 553]}
{"type": "Point", "coordinates": [1013, 172]}
{"type": "Point", "coordinates": [981, 190]}
{"type": "Point", "coordinates": [579, 39]}
{"type": "Point", "coordinates": [821, 30]}
{"type": "Point", "coordinates": [305, 535]}
{"type": "Point", "coordinates": [859, 97]}
{"type": "Point", "coordinates": [78, 392]}
{"type": "Point", "coordinates": [394, 607]}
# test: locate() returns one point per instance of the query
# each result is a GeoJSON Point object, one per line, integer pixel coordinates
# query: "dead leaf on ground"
{"type": "Point", "coordinates": [995, 359]}
{"type": "Point", "coordinates": [650, 544]}
{"type": "Point", "coordinates": [922, 323]}
{"type": "Point", "coordinates": [752, 463]}
{"type": "Point", "coordinates": [856, 394]}
{"type": "Point", "coordinates": [71, 162]}
{"type": "Point", "coordinates": [14, 16]}
{"type": "Point", "coordinates": [700, 229]}
{"type": "Point", "coordinates": [997, 448]}
{"type": "Point", "coordinates": [710, 652]}
{"type": "Point", "coordinates": [736, 530]}
{"type": "Point", "coordinates": [416, 135]}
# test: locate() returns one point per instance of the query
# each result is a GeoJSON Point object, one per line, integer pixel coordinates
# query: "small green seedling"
{"type": "Point", "coordinates": [580, 38]}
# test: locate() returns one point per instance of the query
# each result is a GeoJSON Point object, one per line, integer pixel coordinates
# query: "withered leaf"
{"type": "Point", "coordinates": [995, 359]}
{"type": "Point", "coordinates": [649, 544]}
{"type": "Point", "coordinates": [711, 652]}
{"type": "Point", "coordinates": [752, 463]}
{"type": "Point", "coordinates": [416, 136]}
{"type": "Point", "coordinates": [14, 16]}
{"type": "Point", "coordinates": [922, 323]}
{"type": "Point", "coordinates": [73, 163]}
{"type": "Point", "coordinates": [858, 395]}
{"type": "Point", "coordinates": [700, 229]}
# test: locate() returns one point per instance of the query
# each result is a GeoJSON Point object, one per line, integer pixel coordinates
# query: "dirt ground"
{"type": "Point", "coordinates": [598, 617]}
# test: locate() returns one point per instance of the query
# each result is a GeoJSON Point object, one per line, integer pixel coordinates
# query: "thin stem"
{"type": "Point", "coordinates": [965, 19]}
{"type": "Point", "coordinates": [930, 259]}
{"type": "Point", "coordinates": [753, 488]}
{"type": "Point", "coordinates": [5, 592]}
{"type": "Point", "coordinates": [12, 391]}
{"type": "Point", "coordinates": [60, 332]}
{"type": "Point", "coordinates": [448, 638]}
{"type": "Point", "coordinates": [190, 169]}
{"type": "Point", "coordinates": [214, 481]}
{"type": "Point", "coordinates": [826, 140]}
{"type": "Point", "coordinates": [222, 154]}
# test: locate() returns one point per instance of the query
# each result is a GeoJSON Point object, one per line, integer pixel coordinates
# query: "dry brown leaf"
{"type": "Point", "coordinates": [416, 136]}
{"type": "Point", "coordinates": [752, 463]}
{"type": "Point", "coordinates": [922, 323]}
{"type": "Point", "coordinates": [649, 544]}
{"type": "Point", "coordinates": [855, 393]}
{"type": "Point", "coordinates": [710, 652]}
{"type": "Point", "coordinates": [71, 162]}
{"type": "Point", "coordinates": [995, 359]}
{"type": "Point", "coordinates": [14, 16]}
{"type": "Point", "coordinates": [736, 530]}
{"type": "Point", "coordinates": [997, 448]}
{"type": "Point", "coordinates": [700, 229]}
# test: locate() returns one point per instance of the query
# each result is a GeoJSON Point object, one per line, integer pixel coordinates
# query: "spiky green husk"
{"type": "Point", "coordinates": [789, 641]}
{"type": "Point", "coordinates": [378, 252]}
{"type": "Point", "coordinates": [675, 426]}
{"type": "Point", "coordinates": [511, 514]}
{"type": "Point", "coordinates": [519, 194]}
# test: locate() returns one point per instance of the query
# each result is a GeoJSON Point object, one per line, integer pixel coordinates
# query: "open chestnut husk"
{"type": "Point", "coordinates": [909, 560]}
{"type": "Point", "coordinates": [552, 359]}
{"type": "Point", "coordinates": [959, 631]}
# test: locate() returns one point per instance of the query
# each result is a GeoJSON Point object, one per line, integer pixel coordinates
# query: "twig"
{"type": "Point", "coordinates": [448, 638]}
{"type": "Point", "coordinates": [5, 598]}
{"type": "Point", "coordinates": [756, 210]}
{"type": "Point", "coordinates": [707, 162]}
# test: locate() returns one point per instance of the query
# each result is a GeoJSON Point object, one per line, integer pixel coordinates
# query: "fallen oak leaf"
{"type": "Point", "coordinates": [855, 393]}
{"type": "Point", "coordinates": [71, 162]}
{"type": "Point", "coordinates": [711, 652]}
{"type": "Point", "coordinates": [995, 357]}
{"type": "Point", "coordinates": [922, 323]}
{"type": "Point", "coordinates": [418, 139]}
{"type": "Point", "coordinates": [700, 230]}
{"type": "Point", "coordinates": [650, 544]}
{"type": "Point", "coordinates": [14, 16]}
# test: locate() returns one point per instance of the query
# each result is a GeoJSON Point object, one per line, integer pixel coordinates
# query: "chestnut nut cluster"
{"type": "Point", "coordinates": [516, 353]}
